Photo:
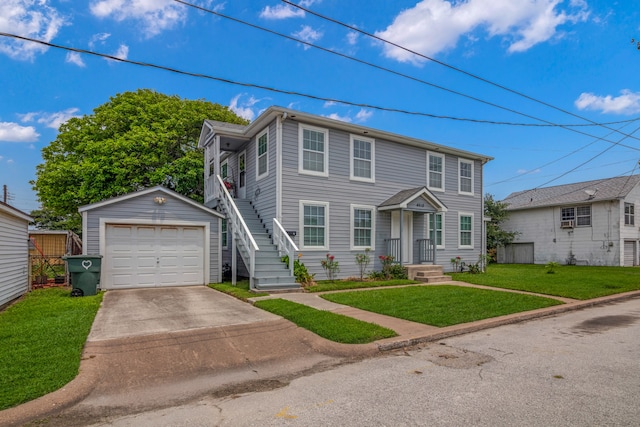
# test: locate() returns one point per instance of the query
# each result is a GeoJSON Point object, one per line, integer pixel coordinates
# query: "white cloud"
{"type": "Point", "coordinates": [433, 26]}
{"type": "Point", "coordinates": [352, 37]}
{"type": "Point", "coordinates": [50, 120]}
{"type": "Point", "coordinates": [75, 58]}
{"type": "Point", "coordinates": [336, 116]}
{"type": "Point", "coordinates": [627, 103]}
{"type": "Point", "coordinates": [13, 132]}
{"type": "Point", "coordinates": [155, 15]}
{"type": "Point", "coordinates": [122, 52]}
{"type": "Point", "coordinates": [28, 18]}
{"type": "Point", "coordinates": [10, 161]}
{"type": "Point", "coordinates": [308, 34]}
{"type": "Point", "coordinates": [364, 115]}
{"type": "Point", "coordinates": [285, 11]}
{"type": "Point", "coordinates": [245, 108]}
{"type": "Point", "coordinates": [99, 38]}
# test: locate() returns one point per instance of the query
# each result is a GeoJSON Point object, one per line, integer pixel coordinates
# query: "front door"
{"type": "Point", "coordinates": [242, 175]}
{"type": "Point", "coordinates": [407, 233]}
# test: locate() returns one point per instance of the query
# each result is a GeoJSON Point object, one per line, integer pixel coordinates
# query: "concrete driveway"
{"type": "Point", "coordinates": [137, 312]}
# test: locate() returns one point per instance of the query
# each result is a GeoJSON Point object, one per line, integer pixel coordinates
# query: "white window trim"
{"type": "Point", "coordinates": [352, 177]}
{"type": "Point", "coordinates": [302, 204]}
{"type": "Point", "coordinates": [224, 232]}
{"type": "Point", "coordinates": [260, 135]}
{"type": "Point", "coordinates": [431, 153]}
{"type": "Point", "coordinates": [301, 169]}
{"type": "Point", "coordinates": [460, 161]}
{"type": "Point", "coordinates": [443, 245]}
{"type": "Point", "coordinates": [460, 245]}
{"type": "Point", "coordinates": [626, 215]}
{"type": "Point", "coordinates": [373, 227]}
{"type": "Point", "coordinates": [224, 162]}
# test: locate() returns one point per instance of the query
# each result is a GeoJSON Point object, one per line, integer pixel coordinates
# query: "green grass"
{"type": "Point", "coordinates": [42, 338]}
{"type": "Point", "coordinates": [336, 285]}
{"type": "Point", "coordinates": [240, 291]}
{"type": "Point", "coordinates": [442, 305]}
{"type": "Point", "coordinates": [332, 326]}
{"type": "Point", "coordinates": [570, 281]}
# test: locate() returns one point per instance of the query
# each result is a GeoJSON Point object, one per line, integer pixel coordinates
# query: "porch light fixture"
{"type": "Point", "coordinates": [159, 200]}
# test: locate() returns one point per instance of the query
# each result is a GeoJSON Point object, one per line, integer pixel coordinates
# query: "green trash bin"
{"type": "Point", "coordinates": [85, 273]}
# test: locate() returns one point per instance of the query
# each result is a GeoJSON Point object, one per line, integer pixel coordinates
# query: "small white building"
{"type": "Point", "coordinates": [14, 253]}
{"type": "Point", "coordinates": [586, 223]}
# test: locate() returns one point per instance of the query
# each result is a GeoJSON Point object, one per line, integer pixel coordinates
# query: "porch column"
{"type": "Point", "coordinates": [234, 258]}
{"type": "Point", "coordinates": [401, 233]}
{"type": "Point", "coordinates": [216, 166]}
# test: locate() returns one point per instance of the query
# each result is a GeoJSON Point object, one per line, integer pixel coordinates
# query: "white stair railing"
{"type": "Point", "coordinates": [240, 230]}
{"type": "Point", "coordinates": [284, 243]}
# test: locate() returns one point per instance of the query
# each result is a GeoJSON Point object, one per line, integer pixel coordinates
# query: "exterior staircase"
{"type": "Point", "coordinates": [270, 273]}
{"type": "Point", "coordinates": [426, 273]}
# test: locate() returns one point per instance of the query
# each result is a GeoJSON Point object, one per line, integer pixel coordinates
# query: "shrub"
{"type": "Point", "coordinates": [300, 271]}
{"type": "Point", "coordinates": [363, 261]}
{"type": "Point", "coordinates": [330, 266]}
{"type": "Point", "coordinates": [551, 267]}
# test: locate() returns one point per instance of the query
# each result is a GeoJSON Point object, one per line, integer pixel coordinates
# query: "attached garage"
{"type": "Point", "coordinates": [153, 238]}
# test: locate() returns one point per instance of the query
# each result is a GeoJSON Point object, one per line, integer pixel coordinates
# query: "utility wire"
{"type": "Point", "coordinates": [444, 64]}
{"type": "Point", "coordinates": [272, 89]}
{"type": "Point", "coordinates": [388, 70]}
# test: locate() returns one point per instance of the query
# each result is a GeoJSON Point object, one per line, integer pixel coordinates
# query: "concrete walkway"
{"type": "Point", "coordinates": [137, 370]}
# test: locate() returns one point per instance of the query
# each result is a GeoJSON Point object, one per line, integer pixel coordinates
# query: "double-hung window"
{"type": "Point", "coordinates": [362, 227]}
{"type": "Point", "coordinates": [629, 214]}
{"type": "Point", "coordinates": [580, 215]}
{"type": "Point", "coordinates": [362, 159]}
{"type": "Point", "coordinates": [314, 151]}
{"type": "Point", "coordinates": [435, 174]}
{"type": "Point", "coordinates": [223, 233]}
{"type": "Point", "coordinates": [262, 158]}
{"type": "Point", "coordinates": [224, 169]}
{"type": "Point", "coordinates": [465, 176]}
{"type": "Point", "coordinates": [436, 229]}
{"type": "Point", "coordinates": [314, 223]}
{"type": "Point", "coordinates": [465, 237]}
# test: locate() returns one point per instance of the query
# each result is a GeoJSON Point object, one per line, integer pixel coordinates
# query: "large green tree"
{"type": "Point", "coordinates": [134, 141]}
{"type": "Point", "coordinates": [496, 236]}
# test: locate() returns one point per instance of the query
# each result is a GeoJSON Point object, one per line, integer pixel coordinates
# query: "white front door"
{"type": "Point", "coordinates": [242, 175]}
{"type": "Point", "coordinates": [140, 256]}
{"type": "Point", "coordinates": [407, 233]}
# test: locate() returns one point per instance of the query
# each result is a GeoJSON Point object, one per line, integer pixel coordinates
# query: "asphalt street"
{"type": "Point", "coordinates": [580, 368]}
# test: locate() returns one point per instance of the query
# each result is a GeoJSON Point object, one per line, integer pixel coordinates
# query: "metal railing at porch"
{"type": "Point", "coordinates": [426, 251]}
{"type": "Point", "coordinates": [285, 245]}
{"type": "Point", "coordinates": [393, 249]}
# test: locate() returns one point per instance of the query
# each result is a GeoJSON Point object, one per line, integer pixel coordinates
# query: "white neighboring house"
{"type": "Point", "coordinates": [14, 253]}
{"type": "Point", "coordinates": [586, 223]}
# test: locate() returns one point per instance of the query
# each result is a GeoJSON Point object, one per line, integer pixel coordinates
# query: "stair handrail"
{"type": "Point", "coordinates": [284, 243]}
{"type": "Point", "coordinates": [239, 227]}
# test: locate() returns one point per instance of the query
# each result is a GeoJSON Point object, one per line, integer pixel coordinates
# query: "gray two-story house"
{"type": "Point", "coordinates": [292, 183]}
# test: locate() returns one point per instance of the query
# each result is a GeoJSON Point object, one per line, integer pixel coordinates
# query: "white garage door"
{"type": "Point", "coordinates": [629, 253]}
{"type": "Point", "coordinates": [151, 256]}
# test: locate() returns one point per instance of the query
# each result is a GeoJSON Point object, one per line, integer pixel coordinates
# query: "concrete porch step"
{"type": "Point", "coordinates": [426, 273]}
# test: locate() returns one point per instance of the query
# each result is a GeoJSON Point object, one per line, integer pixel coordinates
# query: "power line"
{"type": "Point", "coordinates": [370, 64]}
{"type": "Point", "coordinates": [444, 64]}
{"type": "Point", "coordinates": [272, 89]}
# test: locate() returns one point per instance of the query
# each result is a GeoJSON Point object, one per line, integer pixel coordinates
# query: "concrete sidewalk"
{"type": "Point", "coordinates": [142, 371]}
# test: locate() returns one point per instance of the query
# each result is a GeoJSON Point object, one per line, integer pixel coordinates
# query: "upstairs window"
{"type": "Point", "coordinates": [224, 169]}
{"type": "Point", "coordinates": [435, 175]}
{"type": "Point", "coordinates": [629, 213]}
{"type": "Point", "coordinates": [579, 216]}
{"type": "Point", "coordinates": [465, 176]}
{"type": "Point", "coordinates": [362, 159]}
{"type": "Point", "coordinates": [314, 151]}
{"type": "Point", "coordinates": [262, 158]}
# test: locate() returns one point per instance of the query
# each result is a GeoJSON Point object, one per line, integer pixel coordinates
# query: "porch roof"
{"type": "Point", "coordinates": [403, 199]}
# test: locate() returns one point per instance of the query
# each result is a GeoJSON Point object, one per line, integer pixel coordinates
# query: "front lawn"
{"type": "Point", "coordinates": [332, 326]}
{"type": "Point", "coordinates": [240, 290]}
{"type": "Point", "coordinates": [442, 305]}
{"type": "Point", "coordinates": [42, 338]}
{"type": "Point", "coordinates": [570, 281]}
{"type": "Point", "coordinates": [336, 285]}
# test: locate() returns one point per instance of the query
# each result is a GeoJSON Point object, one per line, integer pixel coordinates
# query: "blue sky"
{"type": "Point", "coordinates": [575, 55]}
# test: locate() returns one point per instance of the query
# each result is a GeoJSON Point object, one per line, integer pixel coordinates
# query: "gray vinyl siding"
{"type": "Point", "coordinates": [14, 257]}
{"type": "Point", "coordinates": [143, 208]}
{"type": "Point", "coordinates": [397, 167]}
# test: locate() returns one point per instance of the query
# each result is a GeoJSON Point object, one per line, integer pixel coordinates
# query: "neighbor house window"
{"type": "Point", "coordinates": [314, 151]}
{"type": "Point", "coordinates": [629, 212]}
{"type": "Point", "coordinates": [580, 215]}
{"type": "Point", "coordinates": [465, 176]}
{"type": "Point", "coordinates": [314, 223]}
{"type": "Point", "coordinates": [362, 159]}
{"type": "Point", "coordinates": [224, 169]}
{"type": "Point", "coordinates": [262, 159]}
{"type": "Point", "coordinates": [223, 233]}
{"type": "Point", "coordinates": [466, 231]}
{"type": "Point", "coordinates": [436, 228]}
{"type": "Point", "coordinates": [435, 175]}
{"type": "Point", "coordinates": [362, 227]}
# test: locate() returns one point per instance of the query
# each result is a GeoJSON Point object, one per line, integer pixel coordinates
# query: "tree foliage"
{"type": "Point", "coordinates": [498, 213]}
{"type": "Point", "coordinates": [134, 141]}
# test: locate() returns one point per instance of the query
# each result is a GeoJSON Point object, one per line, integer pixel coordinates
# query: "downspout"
{"type": "Point", "coordinates": [279, 167]}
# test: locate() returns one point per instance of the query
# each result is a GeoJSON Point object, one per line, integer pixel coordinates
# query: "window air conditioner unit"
{"type": "Point", "coordinates": [566, 224]}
